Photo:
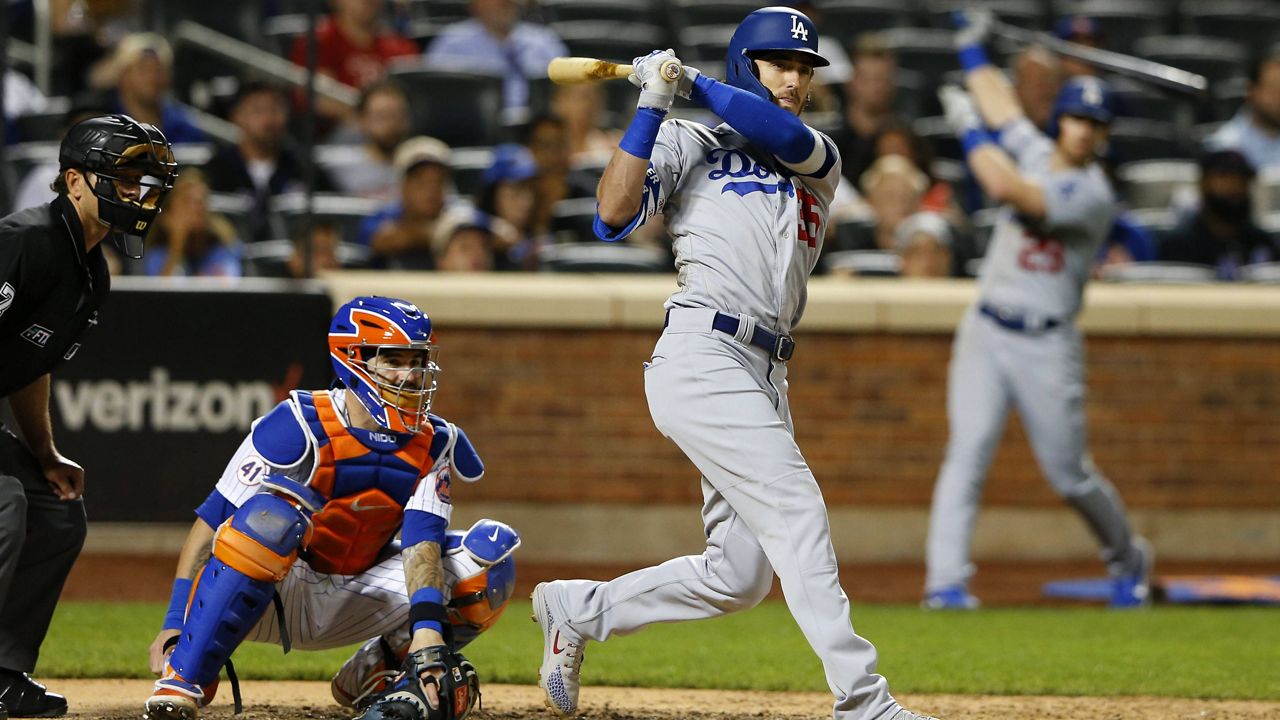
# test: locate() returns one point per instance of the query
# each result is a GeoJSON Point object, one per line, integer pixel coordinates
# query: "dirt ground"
{"type": "Point", "coordinates": [122, 700]}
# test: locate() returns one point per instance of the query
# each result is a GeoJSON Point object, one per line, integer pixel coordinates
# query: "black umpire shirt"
{"type": "Point", "coordinates": [50, 291]}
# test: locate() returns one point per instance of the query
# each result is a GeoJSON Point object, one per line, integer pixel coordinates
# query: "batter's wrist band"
{"type": "Point", "coordinates": [973, 57]}
{"type": "Point", "coordinates": [176, 615]}
{"type": "Point", "coordinates": [974, 138]}
{"type": "Point", "coordinates": [642, 132]}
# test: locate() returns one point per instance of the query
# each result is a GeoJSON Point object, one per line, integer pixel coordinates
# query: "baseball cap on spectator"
{"type": "Point", "coordinates": [1077, 28]}
{"type": "Point", "coordinates": [136, 46]}
{"type": "Point", "coordinates": [928, 223]}
{"type": "Point", "coordinates": [419, 150]}
{"type": "Point", "coordinates": [511, 163]}
{"type": "Point", "coordinates": [1226, 162]}
{"type": "Point", "coordinates": [889, 165]}
{"type": "Point", "coordinates": [464, 217]}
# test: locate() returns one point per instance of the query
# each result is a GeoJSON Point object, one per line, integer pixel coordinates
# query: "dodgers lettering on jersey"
{"type": "Point", "coordinates": [1042, 267]}
{"type": "Point", "coordinates": [746, 230]}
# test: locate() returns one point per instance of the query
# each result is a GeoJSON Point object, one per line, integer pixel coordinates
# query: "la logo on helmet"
{"type": "Point", "coordinates": [798, 30]}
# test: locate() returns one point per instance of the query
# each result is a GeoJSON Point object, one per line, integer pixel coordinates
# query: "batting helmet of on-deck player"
{"type": "Point", "coordinates": [769, 29]}
{"type": "Point", "coordinates": [1086, 97]}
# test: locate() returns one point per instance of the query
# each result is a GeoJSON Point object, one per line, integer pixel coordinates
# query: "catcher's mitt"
{"type": "Point", "coordinates": [458, 688]}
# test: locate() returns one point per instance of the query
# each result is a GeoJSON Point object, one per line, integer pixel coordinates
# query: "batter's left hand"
{"type": "Point", "coordinates": [64, 475]}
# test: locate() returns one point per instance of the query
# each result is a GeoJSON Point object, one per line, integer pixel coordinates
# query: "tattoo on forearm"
{"type": "Point", "coordinates": [422, 568]}
{"type": "Point", "coordinates": [202, 557]}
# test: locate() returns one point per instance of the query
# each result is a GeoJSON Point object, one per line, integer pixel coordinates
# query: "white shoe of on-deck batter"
{"type": "Point", "coordinates": [561, 654]}
{"type": "Point", "coordinates": [908, 715]}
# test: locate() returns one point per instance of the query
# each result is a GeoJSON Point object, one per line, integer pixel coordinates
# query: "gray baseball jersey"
{"type": "Point", "coordinates": [1033, 270]}
{"type": "Point", "coordinates": [747, 232]}
{"type": "Point", "coordinates": [1041, 267]}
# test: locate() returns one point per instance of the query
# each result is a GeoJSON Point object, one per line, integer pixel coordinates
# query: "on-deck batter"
{"type": "Point", "coordinates": [746, 205]}
{"type": "Point", "coordinates": [1018, 345]}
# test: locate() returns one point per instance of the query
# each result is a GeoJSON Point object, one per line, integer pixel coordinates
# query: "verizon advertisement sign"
{"type": "Point", "coordinates": [163, 390]}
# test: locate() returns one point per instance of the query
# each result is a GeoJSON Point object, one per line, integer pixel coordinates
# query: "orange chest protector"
{"type": "Point", "coordinates": [367, 487]}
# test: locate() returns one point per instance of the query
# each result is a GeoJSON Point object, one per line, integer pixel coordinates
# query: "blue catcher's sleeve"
{"type": "Point", "coordinates": [215, 509]}
{"type": "Point", "coordinates": [422, 526]}
{"type": "Point", "coordinates": [279, 438]}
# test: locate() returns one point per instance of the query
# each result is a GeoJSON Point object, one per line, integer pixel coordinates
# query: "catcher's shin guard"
{"type": "Point", "coordinates": [252, 551]}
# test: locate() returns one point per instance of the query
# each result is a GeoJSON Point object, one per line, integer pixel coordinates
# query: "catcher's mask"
{"type": "Point", "coordinates": [384, 351]}
{"type": "Point", "coordinates": [134, 168]}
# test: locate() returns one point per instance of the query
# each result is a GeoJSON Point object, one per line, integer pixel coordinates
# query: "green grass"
{"type": "Point", "coordinates": [1179, 652]}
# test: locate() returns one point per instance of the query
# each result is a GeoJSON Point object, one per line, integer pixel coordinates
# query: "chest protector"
{"type": "Point", "coordinates": [366, 488]}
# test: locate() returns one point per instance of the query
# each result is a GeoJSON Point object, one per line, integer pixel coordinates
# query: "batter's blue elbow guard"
{"type": "Point", "coordinates": [776, 130]}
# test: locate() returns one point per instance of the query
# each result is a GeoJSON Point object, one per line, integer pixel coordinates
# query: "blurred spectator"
{"type": "Point", "coordinates": [924, 241]}
{"type": "Point", "coordinates": [352, 46]}
{"type": "Point", "coordinates": [1082, 30]}
{"type": "Point", "coordinates": [868, 103]}
{"type": "Point", "coordinates": [897, 138]}
{"type": "Point", "coordinates": [384, 124]}
{"type": "Point", "coordinates": [1222, 233]}
{"type": "Point", "coordinates": [36, 187]}
{"type": "Point", "coordinates": [263, 164]}
{"type": "Point", "coordinates": [495, 40]}
{"type": "Point", "coordinates": [1255, 129]}
{"type": "Point", "coordinates": [510, 194]}
{"type": "Point", "coordinates": [21, 97]}
{"type": "Point", "coordinates": [466, 240]}
{"type": "Point", "coordinates": [582, 108]}
{"type": "Point", "coordinates": [324, 255]}
{"type": "Point", "coordinates": [401, 234]}
{"type": "Point", "coordinates": [188, 239]}
{"type": "Point", "coordinates": [547, 138]}
{"type": "Point", "coordinates": [893, 188]}
{"type": "Point", "coordinates": [139, 70]}
{"type": "Point", "coordinates": [1037, 76]}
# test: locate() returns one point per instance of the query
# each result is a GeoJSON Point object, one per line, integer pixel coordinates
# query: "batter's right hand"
{"type": "Point", "coordinates": [973, 26]}
{"type": "Point", "coordinates": [656, 90]}
{"type": "Point", "coordinates": [157, 655]}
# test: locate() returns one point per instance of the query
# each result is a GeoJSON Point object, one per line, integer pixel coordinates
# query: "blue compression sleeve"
{"type": "Point", "coordinates": [642, 133]}
{"type": "Point", "coordinates": [974, 138]}
{"type": "Point", "coordinates": [420, 526]}
{"type": "Point", "coordinates": [177, 612]}
{"type": "Point", "coordinates": [776, 130]}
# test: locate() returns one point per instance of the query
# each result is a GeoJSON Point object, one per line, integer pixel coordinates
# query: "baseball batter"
{"type": "Point", "coordinates": [746, 205]}
{"type": "Point", "coordinates": [1018, 345]}
{"type": "Point", "coordinates": [307, 515]}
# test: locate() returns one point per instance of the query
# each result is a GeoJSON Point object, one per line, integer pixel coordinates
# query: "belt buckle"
{"type": "Point", "coordinates": [784, 347]}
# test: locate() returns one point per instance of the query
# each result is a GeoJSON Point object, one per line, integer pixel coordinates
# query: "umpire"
{"type": "Point", "coordinates": [114, 171]}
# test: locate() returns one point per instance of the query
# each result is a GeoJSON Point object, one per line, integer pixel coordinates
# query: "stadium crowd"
{"type": "Point", "coordinates": [458, 155]}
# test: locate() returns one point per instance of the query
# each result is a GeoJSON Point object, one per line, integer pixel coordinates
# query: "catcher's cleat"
{"type": "Point", "coordinates": [170, 706]}
{"type": "Point", "coordinates": [562, 654]}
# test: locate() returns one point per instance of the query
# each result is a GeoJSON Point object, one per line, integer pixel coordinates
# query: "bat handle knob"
{"type": "Point", "coordinates": [671, 70]}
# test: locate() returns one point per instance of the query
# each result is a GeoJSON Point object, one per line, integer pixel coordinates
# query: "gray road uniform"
{"type": "Point", "coordinates": [1018, 347]}
{"type": "Point", "coordinates": [747, 232]}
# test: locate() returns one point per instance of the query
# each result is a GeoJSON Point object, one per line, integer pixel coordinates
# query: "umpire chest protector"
{"type": "Point", "coordinates": [367, 479]}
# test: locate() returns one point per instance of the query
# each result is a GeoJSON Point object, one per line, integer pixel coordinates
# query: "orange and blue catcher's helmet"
{"type": "Point", "coordinates": [384, 351]}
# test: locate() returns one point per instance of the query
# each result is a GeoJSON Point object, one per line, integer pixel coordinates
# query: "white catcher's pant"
{"type": "Point", "coordinates": [993, 370]}
{"type": "Point", "coordinates": [725, 405]}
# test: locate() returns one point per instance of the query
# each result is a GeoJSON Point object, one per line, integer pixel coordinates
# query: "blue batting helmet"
{"type": "Point", "coordinates": [766, 29]}
{"type": "Point", "coordinates": [396, 389]}
{"type": "Point", "coordinates": [1083, 96]}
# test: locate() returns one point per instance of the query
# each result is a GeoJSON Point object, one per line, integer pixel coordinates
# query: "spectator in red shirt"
{"type": "Point", "coordinates": [353, 48]}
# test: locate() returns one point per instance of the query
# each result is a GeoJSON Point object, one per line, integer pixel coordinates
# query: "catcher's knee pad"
{"type": "Point", "coordinates": [484, 575]}
{"type": "Point", "coordinates": [252, 551]}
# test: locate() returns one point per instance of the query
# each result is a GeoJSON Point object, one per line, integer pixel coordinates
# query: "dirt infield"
{"type": "Point", "coordinates": [122, 700]}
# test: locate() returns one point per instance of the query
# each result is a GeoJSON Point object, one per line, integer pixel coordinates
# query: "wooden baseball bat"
{"type": "Point", "coordinates": [1138, 68]}
{"type": "Point", "coordinates": [570, 70]}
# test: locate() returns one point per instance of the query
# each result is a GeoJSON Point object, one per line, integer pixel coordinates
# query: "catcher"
{"type": "Point", "coordinates": [305, 552]}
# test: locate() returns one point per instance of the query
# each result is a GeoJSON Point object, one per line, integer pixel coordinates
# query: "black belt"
{"type": "Point", "coordinates": [779, 347]}
{"type": "Point", "coordinates": [1014, 322]}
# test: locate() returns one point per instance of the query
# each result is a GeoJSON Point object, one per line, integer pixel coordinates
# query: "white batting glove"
{"type": "Point", "coordinates": [684, 87]}
{"type": "Point", "coordinates": [973, 26]}
{"type": "Point", "coordinates": [656, 91]}
{"type": "Point", "coordinates": [959, 110]}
